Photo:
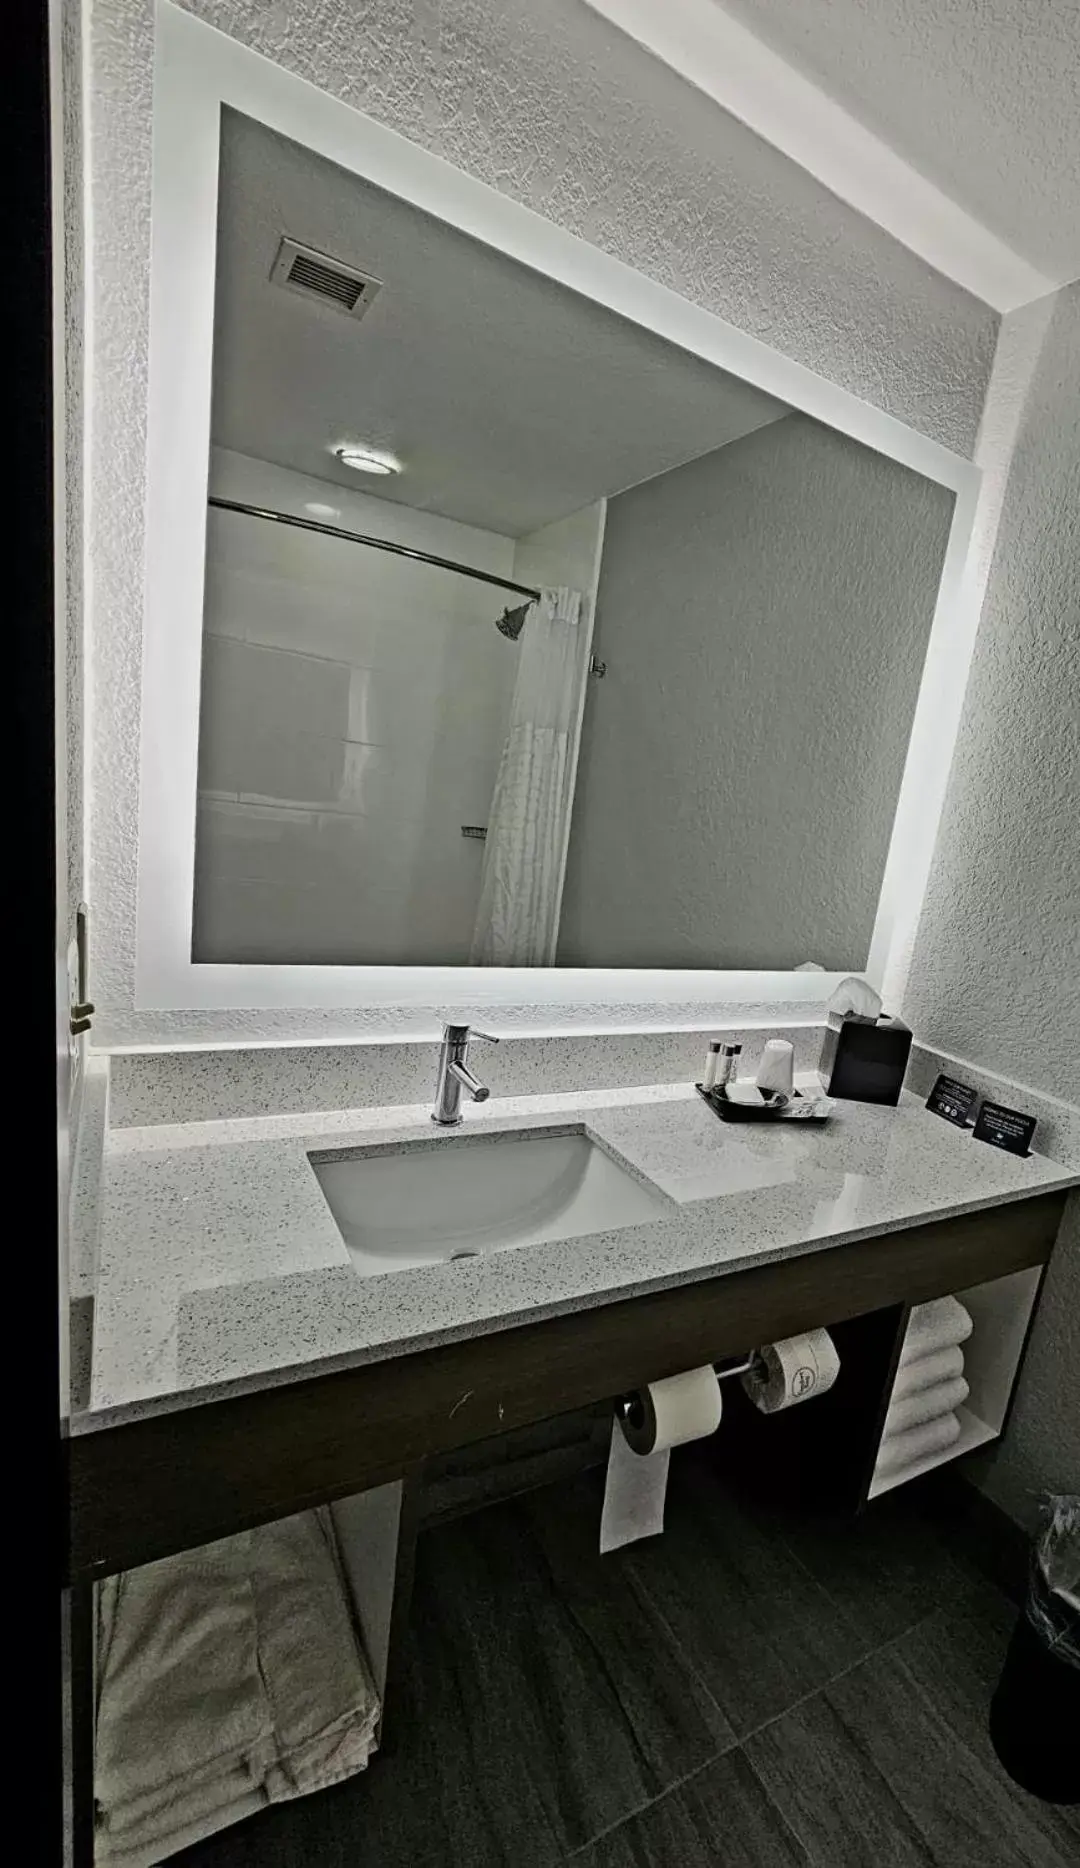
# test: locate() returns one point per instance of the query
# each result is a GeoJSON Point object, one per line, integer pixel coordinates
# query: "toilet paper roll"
{"type": "Point", "coordinates": [791, 1371]}
{"type": "Point", "coordinates": [666, 1414]}
{"type": "Point", "coordinates": [669, 1413]}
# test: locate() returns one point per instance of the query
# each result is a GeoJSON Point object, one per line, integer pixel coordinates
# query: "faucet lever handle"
{"type": "Point", "coordinates": [485, 1037]}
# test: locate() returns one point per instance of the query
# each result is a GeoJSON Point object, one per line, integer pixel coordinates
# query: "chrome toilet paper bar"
{"type": "Point", "coordinates": [629, 1407]}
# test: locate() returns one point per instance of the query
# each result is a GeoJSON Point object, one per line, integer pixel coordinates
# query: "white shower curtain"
{"type": "Point", "coordinates": [517, 916]}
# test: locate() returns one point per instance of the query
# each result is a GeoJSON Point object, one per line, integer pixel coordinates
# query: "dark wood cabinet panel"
{"type": "Point", "coordinates": [165, 1483]}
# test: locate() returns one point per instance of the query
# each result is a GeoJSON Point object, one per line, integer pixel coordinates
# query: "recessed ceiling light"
{"type": "Point", "coordinates": [367, 460]}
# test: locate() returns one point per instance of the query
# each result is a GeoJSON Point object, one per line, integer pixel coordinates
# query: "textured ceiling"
{"type": "Point", "coordinates": [981, 96]}
{"type": "Point", "coordinates": [511, 401]}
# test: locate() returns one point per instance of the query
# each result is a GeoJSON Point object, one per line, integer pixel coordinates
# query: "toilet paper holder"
{"type": "Point", "coordinates": [629, 1408]}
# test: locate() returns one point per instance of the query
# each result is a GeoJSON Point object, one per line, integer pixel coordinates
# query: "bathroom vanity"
{"type": "Point", "coordinates": [619, 698]}
{"type": "Point", "coordinates": [252, 1354]}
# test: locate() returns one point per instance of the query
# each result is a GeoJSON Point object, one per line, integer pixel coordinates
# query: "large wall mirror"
{"type": "Point", "coordinates": [526, 636]}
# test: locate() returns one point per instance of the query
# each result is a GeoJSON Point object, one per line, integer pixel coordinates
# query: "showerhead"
{"type": "Point", "coordinates": [512, 622]}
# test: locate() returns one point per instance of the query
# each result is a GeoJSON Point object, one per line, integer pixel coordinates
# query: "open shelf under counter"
{"type": "Point", "coordinates": [1001, 1310]}
{"type": "Point", "coordinates": [973, 1433]}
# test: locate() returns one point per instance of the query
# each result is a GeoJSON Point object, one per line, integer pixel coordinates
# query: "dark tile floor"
{"type": "Point", "coordinates": [748, 1691]}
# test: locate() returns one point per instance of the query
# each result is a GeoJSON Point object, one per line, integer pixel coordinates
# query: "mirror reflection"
{"type": "Point", "coordinates": [529, 639]}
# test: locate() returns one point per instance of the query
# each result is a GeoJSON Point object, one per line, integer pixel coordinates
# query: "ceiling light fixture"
{"type": "Point", "coordinates": [367, 460]}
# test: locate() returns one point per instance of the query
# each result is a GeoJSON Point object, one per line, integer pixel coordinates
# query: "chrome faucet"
{"type": "Point", "coordinates": [455, 1075]}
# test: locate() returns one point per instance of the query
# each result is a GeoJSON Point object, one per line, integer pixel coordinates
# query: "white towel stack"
{"type": "Point", "coordinates": [929, 1387]}
{"type": "Point", "coordinates": [230, 1677]}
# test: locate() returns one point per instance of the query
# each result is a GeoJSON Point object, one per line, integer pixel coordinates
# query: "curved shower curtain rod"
{"type": "Point", "coordinates": [380, 544]}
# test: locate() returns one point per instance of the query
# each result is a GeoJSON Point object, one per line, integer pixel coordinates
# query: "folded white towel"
{"type": "Point", "coordinates": [230, 1677]}
{"type": "Point", "coordinates": [925, 1404]}
{"type": "Point", "coordinates": [934, 1326]}
{"type": "Point", "coordinates": [941, 1365]}
{"type": "Point", "coordinates": [180, 1694]}
{"type": "Point", "coordinates": [180, 1827]}
{"type": "Point", "coordinates": [324, 1704]}
{"type": "Point", "coordinates": [899, 1450]}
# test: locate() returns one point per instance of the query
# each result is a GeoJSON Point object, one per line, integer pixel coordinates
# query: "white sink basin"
{"type": "Point", "coordinates": [466, 1197]}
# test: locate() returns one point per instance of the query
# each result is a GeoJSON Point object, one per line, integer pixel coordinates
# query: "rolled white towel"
{"type": "Point", "coordinates": [942, 1365]}
{"type": "Point", "coordinates": [935, 1326]}
{"type": "Point", "coordinates": [925, 1404]}
{"type": "Point", "coordinates": [899, 1450]}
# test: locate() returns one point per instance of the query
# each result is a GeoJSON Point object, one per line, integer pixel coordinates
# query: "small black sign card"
{"type": "Point", "coordinates": [1005, 1128]}
{"type": "Point", "coordinates": [953, 1100]}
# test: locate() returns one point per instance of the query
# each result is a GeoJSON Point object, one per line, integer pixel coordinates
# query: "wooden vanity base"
{"type": "Point", "coordinates": [169, 1482]}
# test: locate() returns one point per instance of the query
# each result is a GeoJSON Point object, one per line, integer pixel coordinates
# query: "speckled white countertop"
{"type": "Point", "coordinates": [221, 1268]}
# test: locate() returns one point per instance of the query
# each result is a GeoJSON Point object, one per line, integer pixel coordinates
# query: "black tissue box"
{"type": "Point", "coordinates": [864, 1059]}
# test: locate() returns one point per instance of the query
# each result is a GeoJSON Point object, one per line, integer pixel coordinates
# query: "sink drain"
{"type": "Point", "coordinates": [465, 1251]}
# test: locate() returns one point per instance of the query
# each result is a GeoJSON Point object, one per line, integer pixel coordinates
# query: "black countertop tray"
{"type": "Point", "coordinates": [785, 1110]}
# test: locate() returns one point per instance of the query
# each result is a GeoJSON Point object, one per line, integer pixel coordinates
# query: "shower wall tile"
{"type": "Point", "coordinates": [354, 708]}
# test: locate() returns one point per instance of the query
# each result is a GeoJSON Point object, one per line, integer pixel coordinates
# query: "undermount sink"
{"type": "Point", "coordinates": [466, 1197]}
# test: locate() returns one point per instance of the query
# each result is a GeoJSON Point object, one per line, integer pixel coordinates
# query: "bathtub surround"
{"type": "Point", "coordinates": [343, 743]}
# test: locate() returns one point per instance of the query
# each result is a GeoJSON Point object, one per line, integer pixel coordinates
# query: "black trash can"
{"type": "Point", "coordinates": [1035, 1711]}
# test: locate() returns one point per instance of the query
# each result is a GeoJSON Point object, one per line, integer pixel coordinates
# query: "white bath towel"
{"type": "Point", "coordinates": [231, 1677]}
{"type": "Point", "coordinates": [900, 1450]}
{"type": "Point", "coordinates": [942, 1365]}
{"type": "Point", "coordinates": [181, 1701]}
{"type": "Point", "coordinates": [934, 1326]}
{"type": "Point", "coordinates": [179, 1825]}
{"type": "Point", "coordinates": [925, 1404]}
{"type": "Point", "coordinates": [324, 1704]}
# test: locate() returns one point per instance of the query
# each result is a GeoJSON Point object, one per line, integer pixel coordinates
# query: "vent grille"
{"type": "Point", "coordinates": [318, 275]}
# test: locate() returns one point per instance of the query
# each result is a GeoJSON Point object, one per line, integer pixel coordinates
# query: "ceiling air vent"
{"type": "Point", "coordinates": [317, 275]}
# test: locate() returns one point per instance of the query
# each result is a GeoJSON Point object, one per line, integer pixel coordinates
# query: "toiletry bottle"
{"type": "Point", "coordinates": [712, 1062]}
{"type": "Point", "coordinates": [728, 1068]}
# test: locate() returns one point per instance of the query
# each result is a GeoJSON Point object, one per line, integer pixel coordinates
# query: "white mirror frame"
{"type": "Point", "coordinates": [197, 71]}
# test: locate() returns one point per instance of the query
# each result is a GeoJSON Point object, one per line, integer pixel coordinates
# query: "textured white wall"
{"type": "Point", "coordinates": [979, 95]}
{"type": "Point", "coordinates": [565, 552]}
{"type": "Point", "coordinates": [996, 976]}
{"type": "Point", "coordinates": [1041, 1450]}
{"type": "Point", "coordinates": [73, 283]}
{"type": "Point", "coordinates": [354, 708]}
{"type": "Point", "coordinates": [763, 613]}
{"type": "Point", "coordinates": [557, 109]}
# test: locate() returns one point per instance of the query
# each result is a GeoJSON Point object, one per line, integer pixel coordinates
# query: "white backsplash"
{"type": "Point", "coordinates": [204, 1085]}
{"type": "Point", "coordinates": [1058, 1132]}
